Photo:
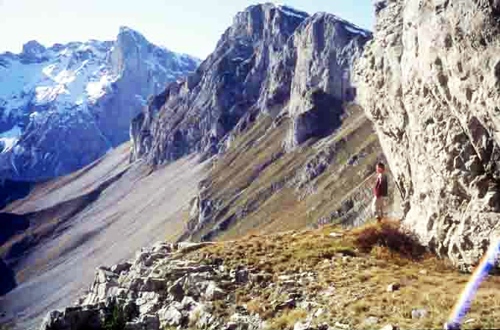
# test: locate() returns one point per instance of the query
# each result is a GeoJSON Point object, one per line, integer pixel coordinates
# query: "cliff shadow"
{"type": "Point", "coordinates": [8, 280]}
{"type": "Point", "coordinates": [11, 190]}
{"type": "Point", "coordinates": [324, 117]}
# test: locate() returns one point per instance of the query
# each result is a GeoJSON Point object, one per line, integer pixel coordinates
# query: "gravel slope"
{"type": "Point", "coordinates": [135, 210]}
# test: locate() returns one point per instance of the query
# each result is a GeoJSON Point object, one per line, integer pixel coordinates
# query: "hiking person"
{"type": "Point", "coordinates": [380, 192]}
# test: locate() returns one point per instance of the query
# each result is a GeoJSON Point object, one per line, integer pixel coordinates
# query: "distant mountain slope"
{"type": "Point", "coordinates": [65, 106]}
{"type": "Point", "coordinates": [106, 211]}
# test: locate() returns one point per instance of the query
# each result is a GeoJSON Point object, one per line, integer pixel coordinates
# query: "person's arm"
{"type": "Point", "coordinates": [376, 190]}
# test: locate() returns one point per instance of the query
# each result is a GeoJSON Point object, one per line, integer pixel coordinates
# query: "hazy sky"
{"type": "Point", "coordinates": [188, 26]}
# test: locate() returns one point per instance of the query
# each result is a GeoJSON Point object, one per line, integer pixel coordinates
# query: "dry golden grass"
{"type": "Point", "coordinates": [288, 319]}
{"type": "Point", "coordinates": [358, 276]}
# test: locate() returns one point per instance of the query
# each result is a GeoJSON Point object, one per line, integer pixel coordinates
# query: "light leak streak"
{"type": "Point", "coordinates": [481, 272]}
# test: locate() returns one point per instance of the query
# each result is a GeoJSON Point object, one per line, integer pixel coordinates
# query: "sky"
{"type": "Point", "coordinates": [188, 26]}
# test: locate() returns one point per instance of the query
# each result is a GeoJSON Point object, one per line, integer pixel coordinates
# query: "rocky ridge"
{"type": "Point", "coordinates": [270, 61]}
{"type": "Point", "coordinates": [326, 279]}
{"type": "Point", "coordinates": [429, 81]}
{"type": "Point", "coordinates": [167, 286]}
{"type": "Point", "coordinates": [154, 291]}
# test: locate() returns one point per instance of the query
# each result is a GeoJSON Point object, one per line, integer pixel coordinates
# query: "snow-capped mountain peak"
{"type": "Point", "coordinates": [101, 83]}
{"type": "Point", "coordinates": [292, 11]}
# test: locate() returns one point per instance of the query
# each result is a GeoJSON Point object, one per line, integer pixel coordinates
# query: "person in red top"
{"type": "Point", "coordinates": [380, 192]}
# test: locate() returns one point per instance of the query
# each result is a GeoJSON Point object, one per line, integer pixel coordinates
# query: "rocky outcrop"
{"type": "Point", "coordinates": [270, 58]}
{"type": "Point", "coordinates": [430, 83]}
{"type": "Point", "coordinates": [313, 76]}
{"type": "Point", "coordinates": [162, 288]}
{"type": "Point", "coordinates": [153, 291]}
{"type": "Point", "coordinates": [65, 106]}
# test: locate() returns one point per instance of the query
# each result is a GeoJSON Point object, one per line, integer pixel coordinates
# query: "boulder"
{"type": "Point", "coordinates": [418, 313]}
{"type": "Point", "coordinates": [213, 292]}
{"type": "Point", "coordinates": [119, 268]}
{"type": "Point", "coordinates": [170, 316]}
{"type": "Point", "coordinates": [393, 287]}
{"type": "Point", "coordinates": [176, 290]}
{"type": "Point", "coordinates": [242, 276]}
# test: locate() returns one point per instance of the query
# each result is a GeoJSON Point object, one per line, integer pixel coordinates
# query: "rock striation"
{"type": "Point", "coordinates": [430, 83]}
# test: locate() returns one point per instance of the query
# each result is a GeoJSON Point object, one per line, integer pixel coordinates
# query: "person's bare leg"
{"type": "Point", "coordinates": [374, 208]}
{"type": "Point", "coordinates": [379, 208]}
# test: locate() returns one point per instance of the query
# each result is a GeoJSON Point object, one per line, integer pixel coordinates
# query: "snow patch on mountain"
{"type": "Point", "coordinates": [61, 78]}
{"type": "Point", "coordinates": [9, 138]}
{"type": "Point", "coordinates": [292, 12]}
{"type": "Point", "coordinates": [95, 90]}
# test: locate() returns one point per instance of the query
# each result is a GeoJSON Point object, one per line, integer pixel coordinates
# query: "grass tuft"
{"type": "Point", "coordinates": [391, 236]}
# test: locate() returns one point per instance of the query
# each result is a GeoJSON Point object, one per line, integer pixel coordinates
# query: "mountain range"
{"type": "Point", "coordinates": [65, 106]}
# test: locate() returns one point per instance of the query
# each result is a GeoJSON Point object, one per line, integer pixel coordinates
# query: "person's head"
{"type": "Point", "coordinates": [380, 167]}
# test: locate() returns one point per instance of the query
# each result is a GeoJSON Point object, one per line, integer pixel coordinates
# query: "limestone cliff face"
{"type": "Point", "coordinates": [273, 60]}
{"type": "Point", "coordinates": [195, 114]}
{"type": "Point", "coordinates": [430, 82]}
{"type": "Point", "coordinates": [323, 50]}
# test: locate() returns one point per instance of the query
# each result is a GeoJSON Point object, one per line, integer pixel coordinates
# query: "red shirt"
{"type": "Point", "coordinates": [377, 191]}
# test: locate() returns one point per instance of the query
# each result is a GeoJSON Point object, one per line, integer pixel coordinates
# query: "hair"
{"type": "Point", "coordinates": [381, 165]}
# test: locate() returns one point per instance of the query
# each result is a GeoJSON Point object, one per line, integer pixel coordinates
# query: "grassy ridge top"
{"type": "Point", "coordinates": [353, 270]}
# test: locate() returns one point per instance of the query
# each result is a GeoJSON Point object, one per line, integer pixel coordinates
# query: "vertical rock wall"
{"type": "Point", "coordinates": [430, 82]}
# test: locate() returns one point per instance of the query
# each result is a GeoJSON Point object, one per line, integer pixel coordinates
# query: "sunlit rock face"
{"type": "Point", "coordinates": [273, 60]}
{"type": "Point", "coordinates": [430, 82]}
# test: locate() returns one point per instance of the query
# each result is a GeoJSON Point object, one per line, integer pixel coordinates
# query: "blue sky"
{"type": "Point", "coordinates": [188, 26]}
